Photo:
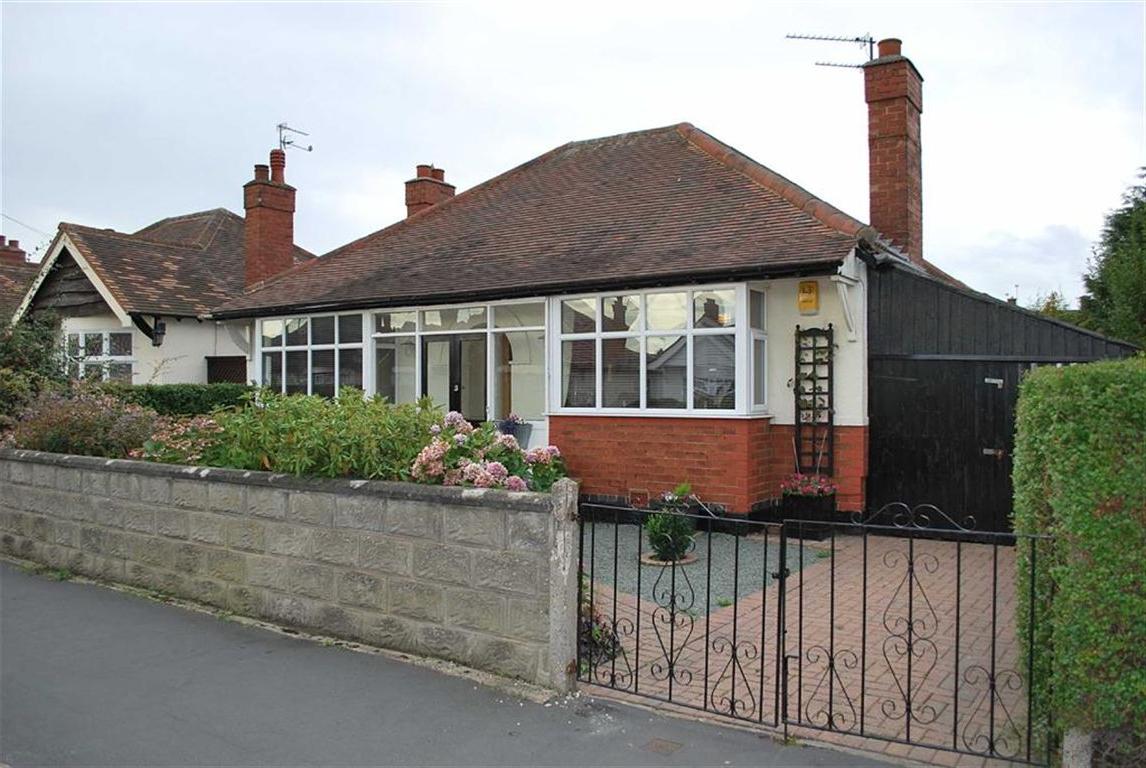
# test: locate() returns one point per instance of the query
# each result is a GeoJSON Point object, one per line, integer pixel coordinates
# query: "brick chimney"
{"type": "Point", "coordinates": [268, 237]}
{"type": "Point", "coordinates": [427, 189]}
{"type": "Point", "coordinates": [10, 251]}
{"type": "Point", "coordinates": [893, 89]}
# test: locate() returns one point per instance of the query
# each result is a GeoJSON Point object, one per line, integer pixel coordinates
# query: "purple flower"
{"type": "Point", "coordinates": [497, 470]}
{"type": "Point", "coordinates": [515, 483]}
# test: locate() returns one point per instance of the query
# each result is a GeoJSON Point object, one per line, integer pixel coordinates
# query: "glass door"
{"type": "Point", "coordinates": [454, 373]}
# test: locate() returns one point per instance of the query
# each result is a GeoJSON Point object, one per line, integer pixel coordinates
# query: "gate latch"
{"type": "Point", "coordinates": [997, 382]}
{"type": "Point", "coordinates": [998, 453]}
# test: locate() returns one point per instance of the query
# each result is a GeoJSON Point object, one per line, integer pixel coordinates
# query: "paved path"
{"type": "Point", "coordinates": [90, 676]}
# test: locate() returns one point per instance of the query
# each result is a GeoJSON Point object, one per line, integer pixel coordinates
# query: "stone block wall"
{"type": "Point", "coordinates": [485, 578]}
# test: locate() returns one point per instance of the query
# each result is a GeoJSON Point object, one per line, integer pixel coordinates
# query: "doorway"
{"type": "Point", "coordinates": [454, 373]}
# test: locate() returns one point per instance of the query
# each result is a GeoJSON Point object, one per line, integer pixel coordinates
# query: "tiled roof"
{"type": "Point", "coordinates": [184, 265]}
{"type": "Point", "coordinates": [14, 280]}
{"type": "Point", "coordinates": [671, 203]}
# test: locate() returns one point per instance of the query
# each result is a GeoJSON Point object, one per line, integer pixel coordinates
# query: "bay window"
{"type": "Point", "coordinates": [656, 350]}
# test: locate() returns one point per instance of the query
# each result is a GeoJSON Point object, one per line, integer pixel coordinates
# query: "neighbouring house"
{"type": "Point", "coordinates": [134, 307]}
{"type": "Point", "coordinates": [16, 273]}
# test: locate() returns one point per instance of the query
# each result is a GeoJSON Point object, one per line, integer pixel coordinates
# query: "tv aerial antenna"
{"type": "Point", "coordinates": [860, 40]}
{"type": "Point", "coordinates": [285, 139]}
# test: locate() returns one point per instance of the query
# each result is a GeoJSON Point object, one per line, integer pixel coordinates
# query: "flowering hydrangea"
{"type": "Point", "coordinates": [460, 454]}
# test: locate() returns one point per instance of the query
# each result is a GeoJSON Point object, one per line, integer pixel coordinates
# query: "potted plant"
{"type": "Point", "coordinates": [671, 529]}
{"type": "Point", "coordinates": [516, 426]}
{"type": "Point", "coordinates": [809, 497]}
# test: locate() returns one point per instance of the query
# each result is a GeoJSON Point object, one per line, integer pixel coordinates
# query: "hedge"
{"type": "Point", "coordinates": [181, 399]}
{"type": "Point", "coordinates": [1080, 476]}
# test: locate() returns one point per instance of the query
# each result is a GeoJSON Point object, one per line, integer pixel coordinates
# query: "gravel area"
{"type": "Point", "coordinates": [729, 578]}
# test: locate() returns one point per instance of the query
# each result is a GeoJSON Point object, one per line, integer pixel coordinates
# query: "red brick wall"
{"type": "Point", "coordinates": [268, 236]}
{"type": "Point", "coordinates": [734, 462]}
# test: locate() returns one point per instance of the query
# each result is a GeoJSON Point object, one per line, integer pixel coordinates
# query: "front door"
{"type": "Point", "coordinates": [454, 373]}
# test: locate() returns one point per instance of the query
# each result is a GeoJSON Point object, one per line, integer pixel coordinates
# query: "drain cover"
{"type": "Point", "coordinates": [662, 746]}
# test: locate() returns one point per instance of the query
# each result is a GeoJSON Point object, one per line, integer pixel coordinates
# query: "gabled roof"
{"type": "Point", "coordinates": [183, 265]}
{"type": "Point", "coordinates": [15, 277]}
{"type": "Point", "coordinates": [666, 204]}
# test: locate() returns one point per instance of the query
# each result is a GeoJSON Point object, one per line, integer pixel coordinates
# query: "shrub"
{"type": "Point", "coordinates": [309, 435]}
{"type": "Point", "coordinates": [31, 361]}
{"type": "Point", "coordinates": [180, 440]}
{"type": "Point", "coordinates": [670, 534]}
{"type": "Point", "coordinates": [1080, 475]}
{"type": "Point", "coordinates": [181, 399]}
{"type": "Point", "coordinates": [86, 422]}
{"type": "Point", "coordinates": [460, 454]}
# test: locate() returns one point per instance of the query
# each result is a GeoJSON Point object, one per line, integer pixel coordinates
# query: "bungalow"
{"type": "Point", "coordinates": [133, 307]}
{"type": "Point", "coordinates": [665, 309]}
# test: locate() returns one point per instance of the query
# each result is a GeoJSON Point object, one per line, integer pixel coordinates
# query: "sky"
{"type": "Point", "coordinates": [116, 115]}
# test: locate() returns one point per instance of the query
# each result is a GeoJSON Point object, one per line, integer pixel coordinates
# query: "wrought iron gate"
{"type": "Point", "coordinates": [899, 627]}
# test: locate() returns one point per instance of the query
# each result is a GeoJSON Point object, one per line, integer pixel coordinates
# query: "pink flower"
{"type": "Point", "coordinates": [436, 429]}
{"type": "Point", "coordinates": [515, 483]}
{"type": "Point", "coordinates": [497, 470]}
{"type": "Point", "coordinates": [484, 479]}
{"type": "Point", "coordinates": [459, 439]}
{"type": "Point", "coordinates": [553, 452]}
{"type": "Point", "coordinates": [507, 441]}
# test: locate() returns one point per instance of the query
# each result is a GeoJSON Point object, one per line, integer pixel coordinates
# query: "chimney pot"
{"type": "Point", "coordinates": [890, 46]}
{"type": "Point", "coordinates": [439, 174]}
{"type": "Point", "coordinates": [262, 173]}
{"type": "Point", "coordinates": [425, 171]}
{"type": "Point", "coordinates": [14, 245]}
{"type": "Point", "coordinates": [278, 165]}
{"type": "Point", "coordinates": [2, 240]}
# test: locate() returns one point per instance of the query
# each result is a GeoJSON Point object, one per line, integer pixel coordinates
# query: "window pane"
{"type": "Point", "coordinates": [714, 372]}
{"type": "Point", "coordinates": [395, 361]}
{"type": "Point", "coordinates": [666, 371]}
{"type": "Point", "coordinates": [714, 309]}
{"type": "Point", "coordinates": [620, 313]}
{"type": "Point", "coordinates": [666, 311]}
{"type": "Point", "coordinates": [519, 315]}
{"type": "Point", "coordinates": [621, 373]}
{"type": "Point", "coordinates": [119, 372]}
{"type": "Point", "coordinates": [349, 329]}
{"type": "Point", "coordinates": [272, 333]}
{"type": "Point", "coordinates": [453, 319]}
{"type": "Point", "coordinates": [93, 344]}
{"type": "Point", "coordinates": [350, 367]}
{"type": "Point", "coordinates": [759, 372]}
{"type": "Point", "coordinates": [322, 330]}
{"type": "Point", "coordinates": [579, 373]}
{"type": "Point", "coordinates": [519, 375]}
{"type": "Point", "coordinates": [472, 359]}
{"type": "Point", "coordinates": [273, 370]}
{"type": "Point", "coordinates": [296, 332]}
{"type": "Point", "coordinates": [73, 345]}
{"type": "Point", "coordinates": [436, 359]}
{"type": "Point", "coordinates": [579, 316]}
{"type": "Point", "coordinates": [393, 322]}
{"type": "Point", "coordinates": [322, 372]}
{"type": "Point", "coordinates": [120, 344]}
{"type": "Point", "coordinates": [296, 373]}
{"type": "Point", "coordinates": [92, 371]}
{"type": "Point", "coordinates": [756, 310]}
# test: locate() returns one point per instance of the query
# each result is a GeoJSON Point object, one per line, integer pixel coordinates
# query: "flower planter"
{"type": "Point", "coordinates": [815, 513]}
{"type": "Point", "coordinates": [519, 430]}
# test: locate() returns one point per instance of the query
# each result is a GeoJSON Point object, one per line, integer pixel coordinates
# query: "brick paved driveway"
{"type": "Point", "coordinates": [853, 674]}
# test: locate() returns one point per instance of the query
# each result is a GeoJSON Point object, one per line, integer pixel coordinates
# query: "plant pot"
{"type": "Point", "coordinates": [815, 514]}
{"type": "Point", "coordinates": [517, 429]}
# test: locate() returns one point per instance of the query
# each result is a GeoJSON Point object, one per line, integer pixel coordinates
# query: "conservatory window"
{"type": "Point", "coordinates": [100, 355]}
{"type": "Point", "coordinates": [312, 355]}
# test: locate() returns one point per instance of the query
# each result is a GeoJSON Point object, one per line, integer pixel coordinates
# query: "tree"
{"type": "Point", "coordinates": [1115, 301]}
{"type": "Point", "coordinates": [1054, 305]}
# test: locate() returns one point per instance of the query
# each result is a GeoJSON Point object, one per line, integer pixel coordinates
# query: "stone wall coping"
{"type": "Point", "coordinates": [526, 501]}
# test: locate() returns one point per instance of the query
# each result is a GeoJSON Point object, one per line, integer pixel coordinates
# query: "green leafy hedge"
{"type": "Point", "coordinates": [1080, 476]}
{"type": "Point", "coordinates": [181, 399]}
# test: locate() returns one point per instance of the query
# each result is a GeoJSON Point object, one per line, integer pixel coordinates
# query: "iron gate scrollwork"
{"type": "Point", "coordinates": [897, 626]}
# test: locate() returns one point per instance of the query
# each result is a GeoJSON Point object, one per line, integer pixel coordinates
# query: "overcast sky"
{"type": "Point", "coordinates": [117, 115]}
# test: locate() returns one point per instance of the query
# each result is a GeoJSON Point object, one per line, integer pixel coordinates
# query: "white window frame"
{"type": "Point", "coordinates": [754, 335]}
{"type": "Point", "coordinates": [489, 329]}
{"type": "Point", "coordinates": [739, 331]}
{"type": "Point", "coordinates": [310, 348]}
{"type": "Point", "coordinates": [82, 360]}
